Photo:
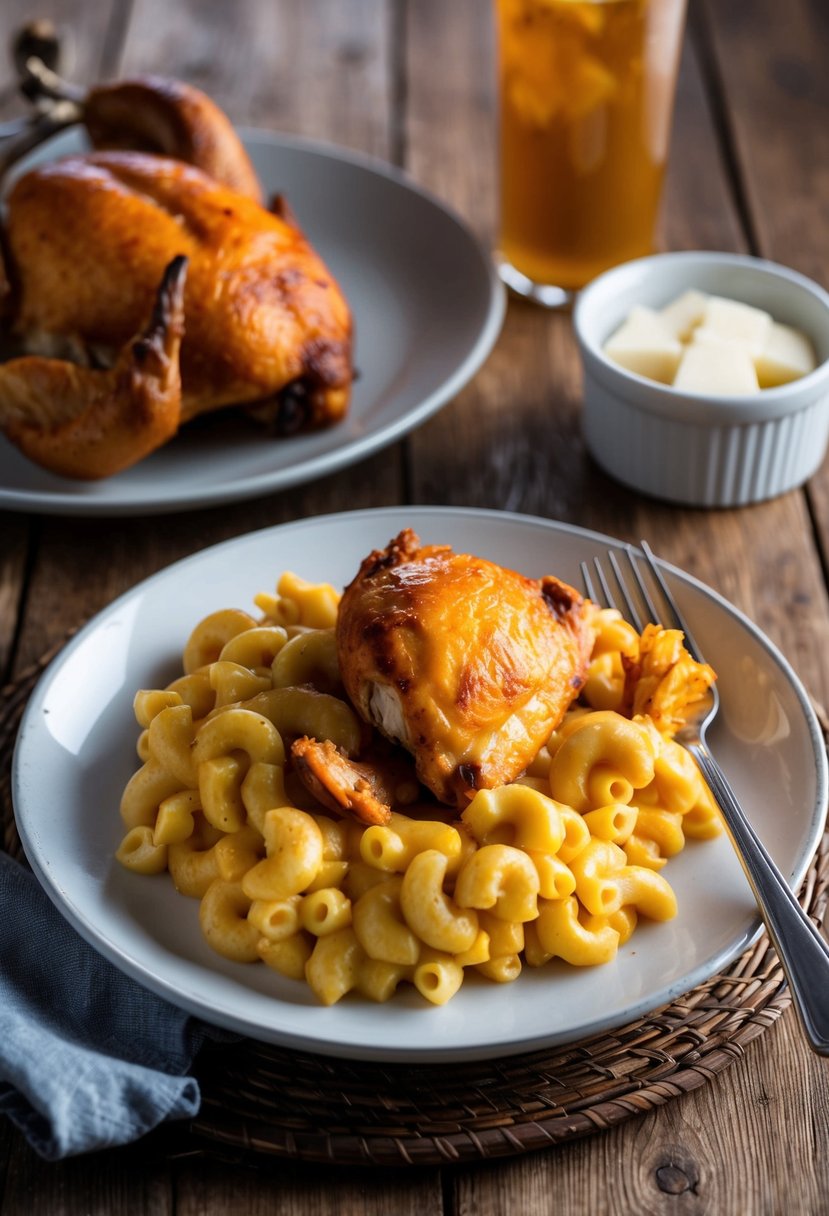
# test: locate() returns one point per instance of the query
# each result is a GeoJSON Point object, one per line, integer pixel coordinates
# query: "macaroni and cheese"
{"type": "Point", "coordinates": [558, 865]}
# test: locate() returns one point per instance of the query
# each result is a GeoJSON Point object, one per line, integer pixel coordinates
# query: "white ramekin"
{"type": "Point", "coordinates": [688, 447]}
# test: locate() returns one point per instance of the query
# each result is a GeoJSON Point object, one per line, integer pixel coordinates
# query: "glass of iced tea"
{"type": "Point", "coordinates": [586, 92]}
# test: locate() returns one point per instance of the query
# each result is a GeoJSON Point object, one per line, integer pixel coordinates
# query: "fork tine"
{"type": "Point", "coordinates": [644, 553]}
{"type": "Point", "coordinates": [605, 586]}
{"type": "Point", "coordinates": [678, 618]}
{"type": "Point", "coordinates": [633, 612]}
{"type": "Point", "coordinates": [587, 582]}
{"type": "Point", "coordinates": [605, 595]}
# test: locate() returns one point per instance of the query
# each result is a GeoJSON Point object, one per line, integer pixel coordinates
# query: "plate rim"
{"type": "Point", "coordinates": [331, 1046]}
{"type": "Point", "coordinates": [359, 447]}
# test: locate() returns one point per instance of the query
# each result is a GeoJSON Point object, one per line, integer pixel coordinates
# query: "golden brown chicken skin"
{"type": "Point", "coordinates": [261, 310]}
{"type": "Point", "coordinates": [470, 666]}
{"type": "Point", "coordinates": [172, 118]}
{"type": "Point", "coordinates": [84, 423]}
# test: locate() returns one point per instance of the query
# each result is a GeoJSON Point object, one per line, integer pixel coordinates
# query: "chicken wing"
{"type": "Point", "coordinates": [468, 665]}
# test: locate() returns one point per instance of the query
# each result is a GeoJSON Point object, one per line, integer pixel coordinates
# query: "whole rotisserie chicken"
{"type": "Point", "coordinates": [115, 254]}
{"type": "Point", "coordinates": [470, 666]}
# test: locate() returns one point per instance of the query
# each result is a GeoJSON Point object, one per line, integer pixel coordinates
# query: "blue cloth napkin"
{"type": "Point", "coordinates": [88, 1058]}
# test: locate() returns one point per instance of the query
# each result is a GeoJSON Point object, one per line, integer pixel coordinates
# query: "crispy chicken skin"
{"type": "Point", "coordinates": [80, 422]}
{"type": "Point", "coordinates": [470, 666]}
{"type": "Point", "coordinates": [171, 118]}
{"type": "Point", "coordinates": [261, 310]}
{"type": "Point", "coordinates": [86, 243]}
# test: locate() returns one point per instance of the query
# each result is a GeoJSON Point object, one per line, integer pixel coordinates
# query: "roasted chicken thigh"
{"type": "Point", "coordinates": [468, 665]}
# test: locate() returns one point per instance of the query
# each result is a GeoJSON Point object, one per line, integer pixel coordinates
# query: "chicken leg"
{"type": "Point", "coordinates": [88, 423]}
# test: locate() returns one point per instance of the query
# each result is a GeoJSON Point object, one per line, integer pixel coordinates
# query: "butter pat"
{"type": "Point", "coordinates": [736, 322]}
{"type": "Point", "coordinates": [685, 313]}
{"type": "Point", "coordinates": [787, 355]}
{"type": "Point", "coordinates": [718, 368]}
{"type": "Point", "coordinates": [644, 344]}
{"type": "Point", "coordinates": [709, 344]}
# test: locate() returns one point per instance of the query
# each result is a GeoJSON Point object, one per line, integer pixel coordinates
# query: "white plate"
{"type": "Point", "coordinates": [427, 305]}
{"type": "Point", "coordinates": [75, 753]}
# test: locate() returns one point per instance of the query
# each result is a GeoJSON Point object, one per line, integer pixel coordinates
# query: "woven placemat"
{"type": "Point", "coordinates": [260, 1101]}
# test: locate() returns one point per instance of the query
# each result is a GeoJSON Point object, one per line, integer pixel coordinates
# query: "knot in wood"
{"type": "Point", "coordinates": [672, 1179]}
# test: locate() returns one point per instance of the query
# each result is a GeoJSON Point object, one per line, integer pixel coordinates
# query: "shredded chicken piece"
{"type": "Point", "coordinates": [666, 681]}
{"type": "Point", "coordinates": [367, 790]}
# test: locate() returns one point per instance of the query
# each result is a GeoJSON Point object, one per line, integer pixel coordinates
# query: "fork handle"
{"type": "Point", "coordinates": [803, 953]}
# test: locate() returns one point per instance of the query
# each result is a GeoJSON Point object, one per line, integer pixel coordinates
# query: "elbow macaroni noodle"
{"type": "Point", "coordinates": [559, 865]}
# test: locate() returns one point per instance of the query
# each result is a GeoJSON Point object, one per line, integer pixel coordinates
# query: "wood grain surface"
{"type": "Point", "coordinates": [410, 81]}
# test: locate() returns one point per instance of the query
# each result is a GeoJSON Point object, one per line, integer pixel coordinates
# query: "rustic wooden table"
{"type": "Point", "coordinates": [410, 81]}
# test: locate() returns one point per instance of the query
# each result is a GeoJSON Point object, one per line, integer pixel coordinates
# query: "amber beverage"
{"type": "Point", "coordinates": [586, 100]}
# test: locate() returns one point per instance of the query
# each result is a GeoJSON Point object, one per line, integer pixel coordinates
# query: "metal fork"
{"type": "Point", "coordinates": [803, 953]}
